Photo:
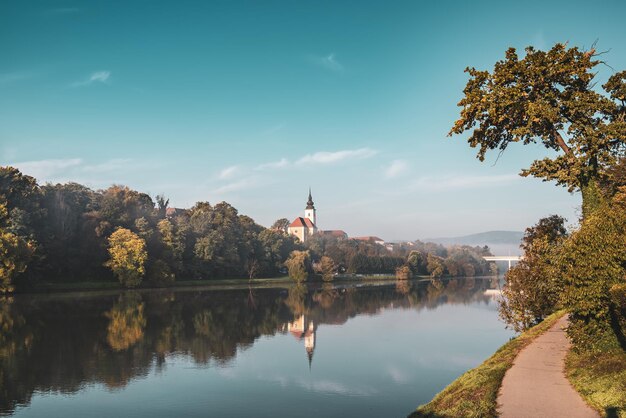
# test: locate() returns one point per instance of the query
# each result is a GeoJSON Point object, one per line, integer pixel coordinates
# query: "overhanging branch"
{"type": "Point", "coordinates": [561, 142]}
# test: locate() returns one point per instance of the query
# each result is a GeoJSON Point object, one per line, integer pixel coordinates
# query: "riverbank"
{"type": "Point", "coordinates": [475, 393]}
{"type": "Point", "coordinates": [600, 378]}
{"type": "Point", "coordinates": [283, 281]}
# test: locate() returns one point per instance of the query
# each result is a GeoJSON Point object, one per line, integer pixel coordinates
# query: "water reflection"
{"type": "Point", "coordinates": [303, 328]}
{"type": "Point", "coordinates": [126, 322]}
{"type": "Point", "coordinates": [62, 343]}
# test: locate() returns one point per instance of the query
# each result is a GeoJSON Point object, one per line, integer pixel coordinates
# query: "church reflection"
{"type": "Point", "coordinates": [303, 329]}
{"type": "Point", "coordinates": [63, 342]}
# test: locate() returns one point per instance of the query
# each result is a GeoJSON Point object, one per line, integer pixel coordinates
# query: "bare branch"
{"type": "Point", "coordinates": [561, 142]}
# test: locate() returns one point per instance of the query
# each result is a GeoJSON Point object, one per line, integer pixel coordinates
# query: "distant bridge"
{"type": "Point", "coordinates": [508, 258]}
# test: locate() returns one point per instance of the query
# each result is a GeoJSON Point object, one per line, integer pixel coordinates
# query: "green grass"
{"type": "Point", "coordinates": [475, 393]}
{"type": "Point", "coordinates": [115, 285]}
{"type": "Point", "coordinates": [600, 378]}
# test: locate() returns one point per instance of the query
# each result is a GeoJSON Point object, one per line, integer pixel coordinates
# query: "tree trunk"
{"type": "Point", "coordinates": [592, 197]}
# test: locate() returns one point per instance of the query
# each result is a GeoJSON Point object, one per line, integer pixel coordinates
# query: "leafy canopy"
{"type": "Point", "coordinates": [128, 257]}
{"type": "Point", "coordinates": [548, 97]}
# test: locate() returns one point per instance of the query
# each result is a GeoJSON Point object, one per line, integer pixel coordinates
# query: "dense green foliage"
{"type": "Point", "coordinates": [455, 261]}
{"type": "Point", "coordinates": [584, 273]}
{"type": "Point", "coordinates": [593, 262]}
{"type": "Point", "coordinates": [422, 258]}
{"type": "Point", "coordinates": [326, 268]}
{"type": "Point", "coordinates": [475, 393]}
{"type": "Point", "coordinates": [533, 286]}
{"type": "Point", "coordinates": [299, 265]}
{"type": "Point", "coordinates": [354, 256]}
{"type": "Point", "coordinates": [59, 233]}
{"type": "Point", "coordinates": [549, 97]}
{"type": "Point", "coordinates": [68, 233]}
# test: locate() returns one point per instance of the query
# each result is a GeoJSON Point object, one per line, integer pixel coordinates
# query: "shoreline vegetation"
{"type": "Point", "coordinates": [267, 282]}
{"type": "Point", "coordinates": [552, 97]}
{"type": "Point", "coordinates": [475, 392]}
{"type": "Point", "coordinates": [600, 379]}
{"type": "Point", "coordinates": [68, 236]}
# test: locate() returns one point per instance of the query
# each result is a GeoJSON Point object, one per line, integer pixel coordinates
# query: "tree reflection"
{"type": "Point", "coordinates": [297, 298]}
{"type": "Point", "coordinates": [126, 322]}
{"type": "Point", "coordinates": [115, 338]}
{"type": "Point", "coordinates": [403, 287]}
{"type": "Point", "coordinates": [326, 296]}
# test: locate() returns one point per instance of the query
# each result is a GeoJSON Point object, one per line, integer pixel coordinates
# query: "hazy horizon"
{"type": "Point", "coordinates": [254, 103]}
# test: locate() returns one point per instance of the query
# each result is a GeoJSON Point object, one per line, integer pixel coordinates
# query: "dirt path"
{"type": "Point", "coordinates": [536, 386]}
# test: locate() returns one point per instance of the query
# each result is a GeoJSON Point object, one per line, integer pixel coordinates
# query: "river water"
{"type": "Point", "coordinates": [359, 349]}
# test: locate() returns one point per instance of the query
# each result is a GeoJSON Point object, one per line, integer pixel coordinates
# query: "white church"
{"type": "Point", "coordinates": [301, 227]}
{"type": "Point", "coordinates": [305, 227]}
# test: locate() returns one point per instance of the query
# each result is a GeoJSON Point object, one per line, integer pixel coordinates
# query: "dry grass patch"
{"type": "Point", "coordinates": [600, 378]}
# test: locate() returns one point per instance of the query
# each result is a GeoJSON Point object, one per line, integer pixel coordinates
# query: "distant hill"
{"type": "Point", "coordinates": [500, 242]}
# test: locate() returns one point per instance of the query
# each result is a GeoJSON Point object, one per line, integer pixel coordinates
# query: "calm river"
{"type": "Point", "coordinates": [363, 350]}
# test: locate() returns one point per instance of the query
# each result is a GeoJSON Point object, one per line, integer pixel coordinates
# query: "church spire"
{"type": "Point", "coordinates": [309, 203]}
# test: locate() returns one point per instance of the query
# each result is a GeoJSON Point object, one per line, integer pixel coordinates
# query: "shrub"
{"type": "Point", "coordinates": [594, 261]}
{"type": "Point", "coordinates": [299, 265]}
{"type": "Point", "coordinates": [128, 256]}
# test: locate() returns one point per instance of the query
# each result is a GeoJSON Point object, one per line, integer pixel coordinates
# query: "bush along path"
{"type": "Point", "coordinates": [536, 386]}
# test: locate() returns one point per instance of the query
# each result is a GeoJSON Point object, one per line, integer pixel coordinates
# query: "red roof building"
{"type": "Point", "coordinates": [335, 233]}
{"type": "Point", "coordinates": [371, 239]}
{"type": "Point", "coordinates": [304, 227]}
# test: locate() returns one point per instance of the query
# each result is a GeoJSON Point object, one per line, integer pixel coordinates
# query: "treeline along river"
{"type": "Point", "coordinates": [364, 349]}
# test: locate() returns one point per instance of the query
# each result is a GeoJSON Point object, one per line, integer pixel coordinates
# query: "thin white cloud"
{"type": "Point", "coordinates": [396, 169]}
{"type": "Point", "coordinates": [229, 172]}
{"type": "Point", "coordinates": [276, 128]}
{"type": "Point", "coordinates": [328, 62]}
{"type": "Point", "coordinates": [283, 162]}
{"type": "Point", "coordinates": [45, 169]}
{"type": "Point", "coordinates": [236, 186]}
{"type": "Point", "coordinates": [321, 385]}
{"type": "Point", "coordinates": [114, 164]}
{"type": "Point", "coordinates": [398, 375]}
{"type": "Point", "coordinates": [8, 78]}
{"type": "Point", "coordinates": [96, 77]}
{"type": "Point", "coordinates": [77, 170]}
{"type": "Point", "coordinates": [329, 386]}
{"type": "Point", "coordinates": [462, 182]}
{"type": "Point", "coordinates": [326, 157]}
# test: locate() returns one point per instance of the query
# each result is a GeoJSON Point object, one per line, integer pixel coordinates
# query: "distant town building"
{"type": "Point", "coordinates": [373, 239]}
{"type": "Point", "coordinates": [334, 233]}
{"type": "Point", "coordinates": [173, 212]}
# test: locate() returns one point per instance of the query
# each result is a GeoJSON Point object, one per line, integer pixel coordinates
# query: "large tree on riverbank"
{"type": "Point", "coordinates": [549, 97]}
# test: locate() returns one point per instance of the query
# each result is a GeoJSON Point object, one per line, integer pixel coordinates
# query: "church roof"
{"type": "Point", "coordinates": [302, 222]}
{"type": "Point", "coordinates": [309, 203]}
{"type": "Point", "coordinates": [338, 233]}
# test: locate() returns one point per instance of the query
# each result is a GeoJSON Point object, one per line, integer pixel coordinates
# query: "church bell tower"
{"type": "Point", "coordinates": [309, 212]}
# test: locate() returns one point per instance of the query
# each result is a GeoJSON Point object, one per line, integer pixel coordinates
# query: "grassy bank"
{"type": "Point", "coordinates": [114, 285]}
{"type": "Point", "coordinates": [283, 281]}
{"type": "Point", "coordinates": [474, 393]}
{"type": "Point", "coordinates": [600, 379]}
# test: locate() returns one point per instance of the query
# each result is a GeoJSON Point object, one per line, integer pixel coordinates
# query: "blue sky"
{"type": "Point", "coordinates": [253, 102]}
